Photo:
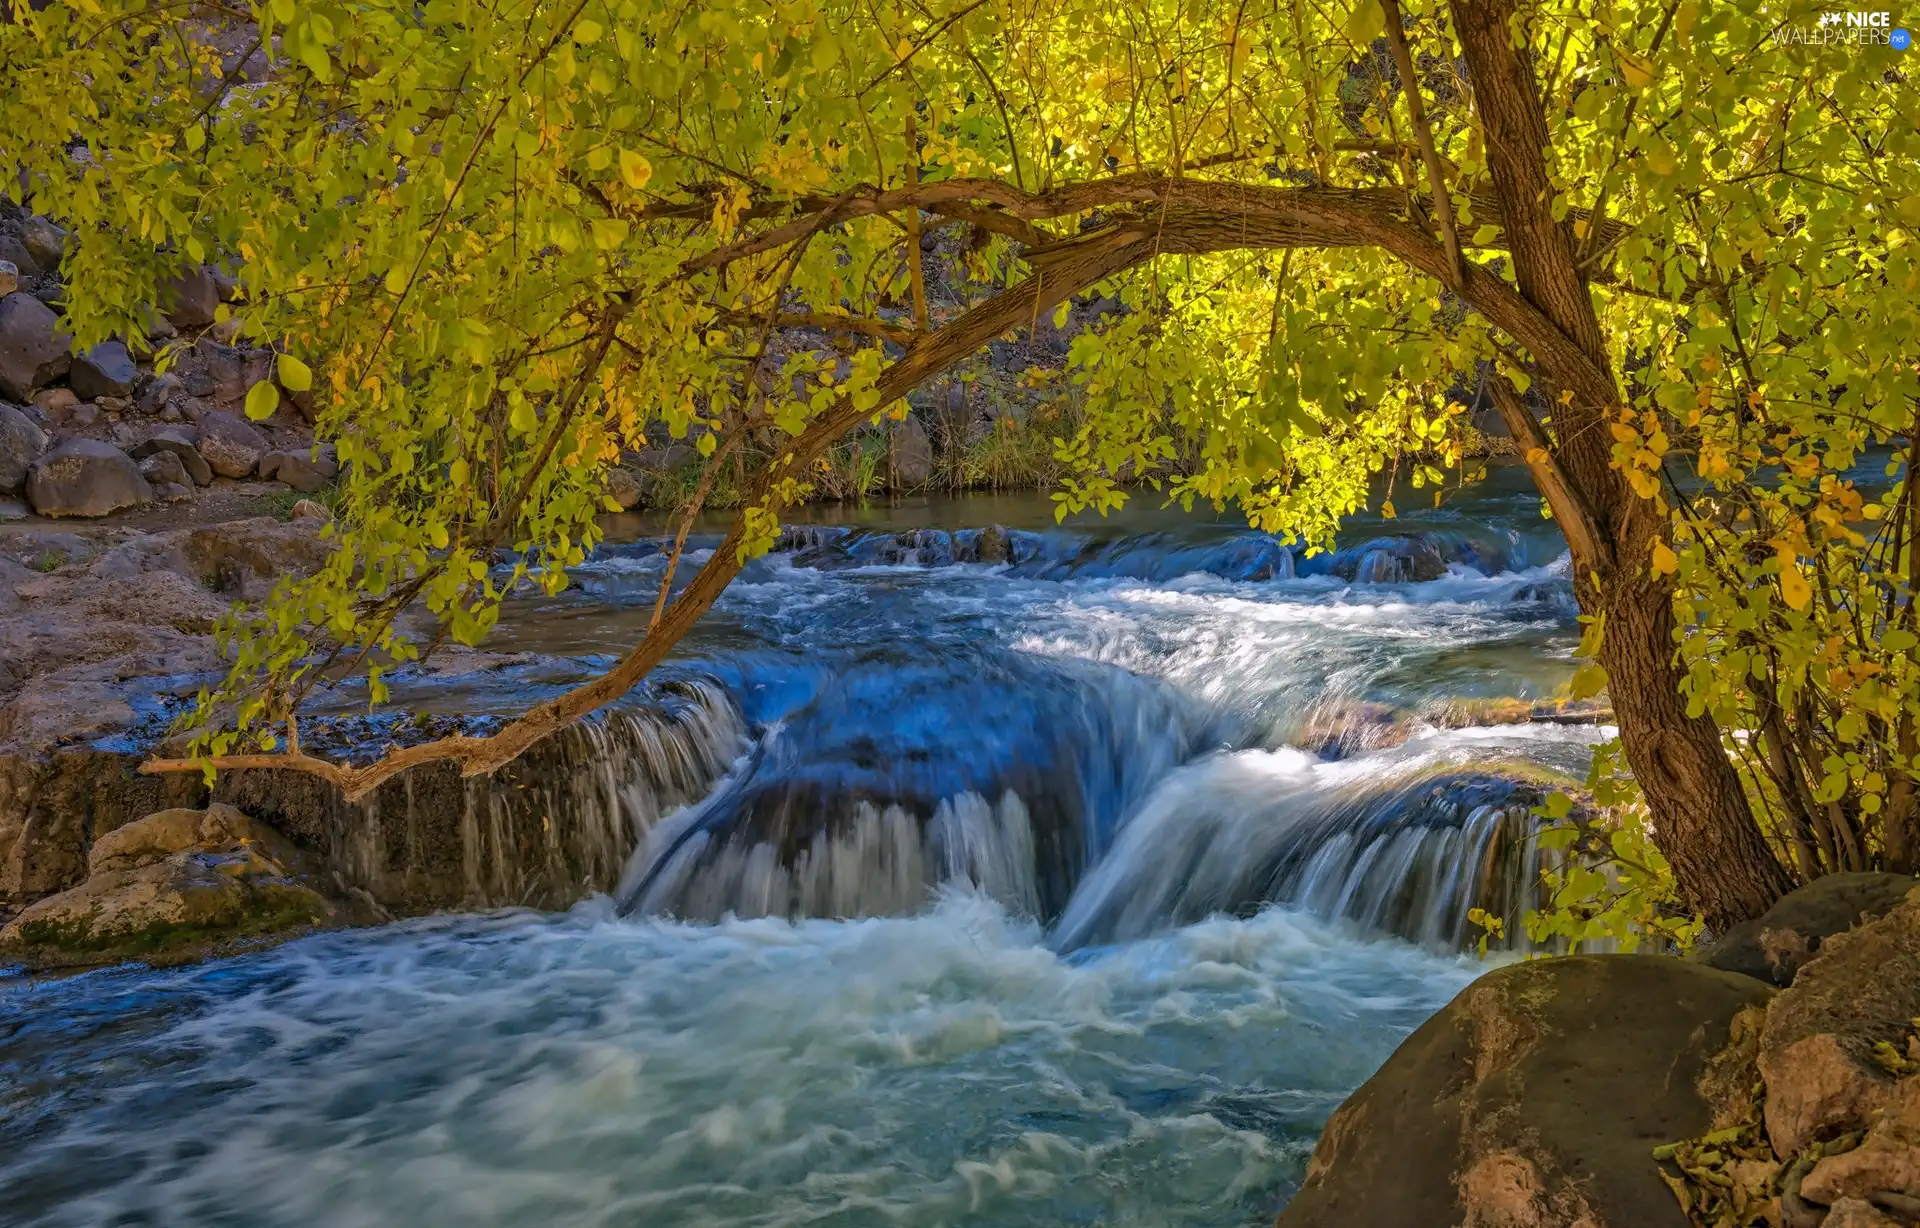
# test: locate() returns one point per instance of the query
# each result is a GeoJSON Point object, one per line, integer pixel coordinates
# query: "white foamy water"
{"type": "Point", "coordinates": [579, 1070]}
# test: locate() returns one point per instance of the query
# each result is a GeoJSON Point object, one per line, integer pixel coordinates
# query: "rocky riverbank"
{"type": "Point", "coordinates": [1633, 1091]}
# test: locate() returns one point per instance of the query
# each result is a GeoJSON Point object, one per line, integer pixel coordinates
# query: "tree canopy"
{"type": "Point", "coordinates": [1673, 247]}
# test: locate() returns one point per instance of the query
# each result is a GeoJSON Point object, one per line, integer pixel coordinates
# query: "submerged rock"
{"type": "Point", "coordinates": [1774, 945]}
{"type": "Point", "coordinates": [1535, 1098]}
{"type": "Point", "coordinates": [173, 885]}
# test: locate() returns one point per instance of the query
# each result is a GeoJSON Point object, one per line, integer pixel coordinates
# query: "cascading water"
{"type": "Point", "coordinates": [1025, 895]}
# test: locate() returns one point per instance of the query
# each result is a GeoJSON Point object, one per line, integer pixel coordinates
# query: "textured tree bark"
{"type": "Point", "coordinates": [1702, 823]}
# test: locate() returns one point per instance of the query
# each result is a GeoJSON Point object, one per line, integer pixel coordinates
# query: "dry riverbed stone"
{"type": "Point", "coordinates": [84, 477]}
{"type": "Point", "coordinates": [232, 447]}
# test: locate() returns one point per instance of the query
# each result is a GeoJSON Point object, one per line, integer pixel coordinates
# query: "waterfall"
{"type": "Point", "coordinates": [1404, 847]}
{"type": "Point", "coordinates": [880, 862]}
{"type": "Point", "coordinates": [554, 826]}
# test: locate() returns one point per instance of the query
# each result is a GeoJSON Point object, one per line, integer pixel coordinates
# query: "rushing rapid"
{"type": "Point", "coordinates": [993, 872]}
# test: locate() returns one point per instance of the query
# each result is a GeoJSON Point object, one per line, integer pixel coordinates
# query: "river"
{"type": "Point", "coordinates": [1068, 875]}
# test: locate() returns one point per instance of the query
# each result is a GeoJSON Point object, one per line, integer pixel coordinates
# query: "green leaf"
{"type": "Point", "coordinates": [262, 399]}
{"type": "Point", "coordinates": [295, 376]}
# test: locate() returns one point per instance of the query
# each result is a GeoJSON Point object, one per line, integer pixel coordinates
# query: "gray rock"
{"type": "Point", "coordinates": [84, 477]}
{"type": "Point", "coordinates": [172, 492]}
{"type": "Point", "coordinates": [83, 415]}
{"type": "Point", "coordinates": [304, 472]}
{"type": "Point", "coordinates": [231, 446]}
{"type": "Point", "coordinates": [158, 391]}
{"type": "Point", "coordinates": [14, 252]}
{"type": "Point", "coordinates": [190, 299]}
{"type": "Point", "coordinates": [180, 442]}
{"type": "Point", "coordinates": [21, 443]}
{"type": "Point", "coordinates": [13, 509]}
{"type": "Point", "coordinates": [909, 453]}
{"type": "Point", "coordinates": [9, 277]}
{"type": "Point", "coordinates": [164, 467]}
{"type": "Point", "coordinates": [106, 370]}
{"type": "Point", "coordinates": [623, 488]}
{"type": "Point", "coordinates": [45, 242]}
{"type": "Point", "coordinates": [33, 350]}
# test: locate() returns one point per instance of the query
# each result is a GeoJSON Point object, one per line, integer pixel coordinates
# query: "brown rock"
{"type": "Point", "coordinates": [231, 447]}
{"type": "Point", "coordinates": [1775, 945]}
{"type": "Point", "coordinates": [56, 403]}
{"type": "Point", "coordinates": [1817, 1053]}
{"type": "Point", "coordinates": [1858, 1213]}
{"type": "Point", "coordinates": [44, 241]}
{"type": "Point", "coordinates": [190, 299]}
{"type": "Point", "coordinates": [172, 884]}
{"type": "Point", "coordinates": [1507, 1108]}
{"type": "Point", "coordinates": [909, 453]}
{"type": "Point", "coordinates": [166, 832]}
{"type": "Point", "coordinates": [623, 487]}
{"type": "Point", "coordinates": [241, 559]}
{"type": "Point", "coordinates": [84, 477]}
{"type": "Point", "coordinates": [1887, 1160]}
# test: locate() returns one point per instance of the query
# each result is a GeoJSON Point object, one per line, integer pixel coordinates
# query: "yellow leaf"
{"type": "Point", "coordinates": [587, 32]}
{"type": "Point", "coordinates": [635, 169]}
{"type": "Point", "coordinates": [1386, 509]}
{"type": "Point", "coordinates": [1664, 562]}
{"type": "Point", "coordinates": [609, 233]}
{"type": "Point", "coordinates": [1794, 586]}
{"type": "Point", "coordinates": [1367, 22]}
{"type": "Point", "coordinates": [262, 399]}
{"type": "Point", "coordinates": [1637, 71]}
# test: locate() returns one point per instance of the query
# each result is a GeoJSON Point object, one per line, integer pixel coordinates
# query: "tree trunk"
{"type": "Point", "coordinates": [1701, 820]}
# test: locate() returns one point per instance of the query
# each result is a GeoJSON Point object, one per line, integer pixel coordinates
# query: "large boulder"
{"type": "Point", "coordinates": [239, 559]}
{"type": "Point", "coordinates": [190, 300]}
{"type": "Point", "coordinates": [909, 453]}
{"type": "Point", "coordinates": [622, 487]}
{"type": "Point", "coordinates": [106, 370]}
{"type": "Point", "coordinates": [1818, 1054]}
{"type": "Point", "coordinates": [1536, 1098]}
{"type": "Point", "coordinates": [21, 443]}
{"type": "Point", "coordinates": [33, 350]}
{"type": "Point", "coordinates": [44, 241]}
{"type": "Point", "coordinates": [1774, 945]}
{"type": "Point", "coordinates": [231, 446]}
{"type": "Point", "coordinates": [84, 477]}
{"type": "Point", "coordinates": [178, 440]}
{"type": "Point", "coordinates": [171, 885]}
